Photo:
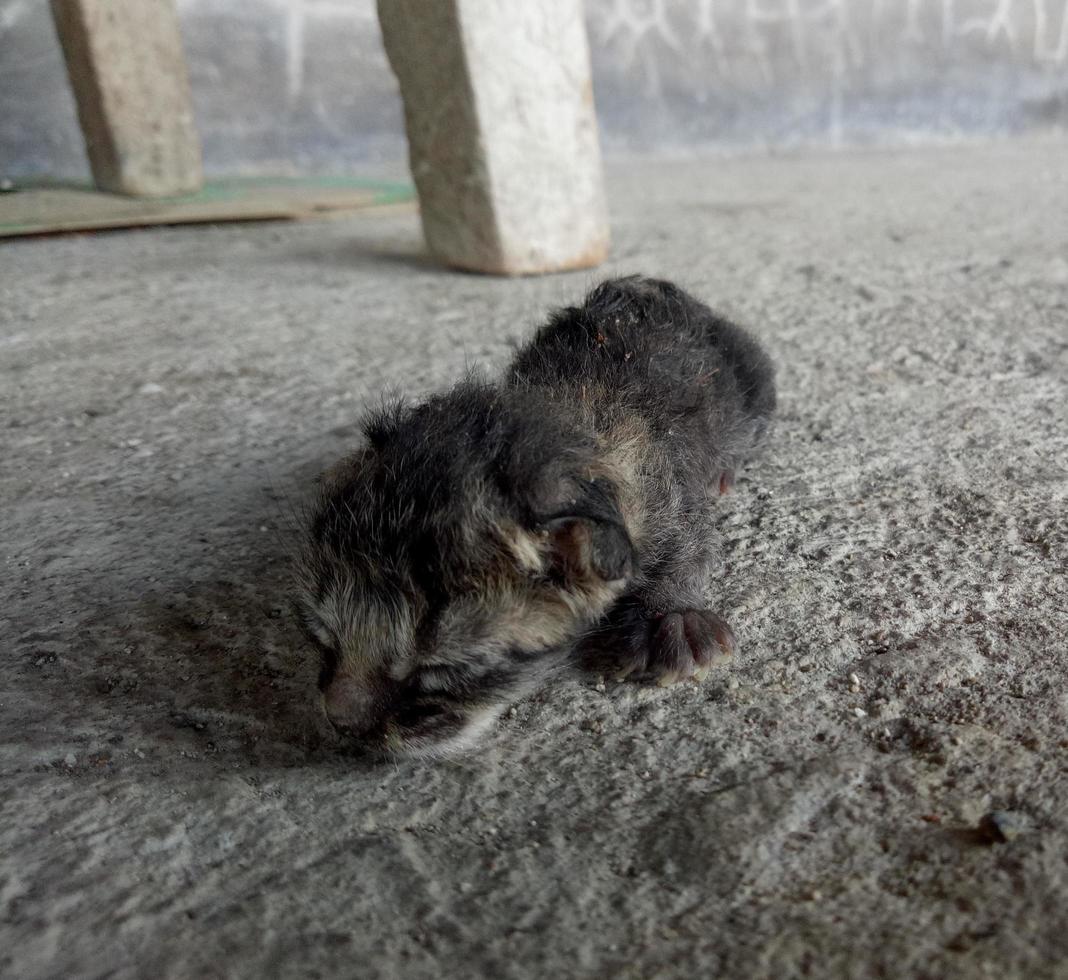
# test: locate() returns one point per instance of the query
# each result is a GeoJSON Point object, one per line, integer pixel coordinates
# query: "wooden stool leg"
{"type": "Point", "coordinates": [502, 132]}
{"type": "Point", "coordinates": [124, 58]}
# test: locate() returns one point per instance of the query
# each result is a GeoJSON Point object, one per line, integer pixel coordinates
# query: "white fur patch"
{"type": "Point", "coordinates": [525, 547]}
{"type": "Point", "coordinates": [434, 748]}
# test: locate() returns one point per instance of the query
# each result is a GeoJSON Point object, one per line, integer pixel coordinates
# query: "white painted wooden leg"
{"type": "Point", "coordinates": [125, 62]}
{"type": "Point", "coordinates": [502, 132]}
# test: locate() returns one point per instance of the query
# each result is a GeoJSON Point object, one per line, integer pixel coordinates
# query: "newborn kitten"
{"type": "Point", "coordinates": [497, 532]}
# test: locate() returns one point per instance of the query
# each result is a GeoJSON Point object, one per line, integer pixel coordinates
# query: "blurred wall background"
{"type": "Point", "coordinates": [284, 85]}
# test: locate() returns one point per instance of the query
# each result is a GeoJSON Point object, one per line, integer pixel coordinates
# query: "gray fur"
{"type": "Point", "coordinates": [497, 533]}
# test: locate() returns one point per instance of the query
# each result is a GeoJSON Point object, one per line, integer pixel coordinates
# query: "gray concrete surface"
{"type": "Point", "coordinates": [894, 567]}
{"type": "Point", "coordinates": [304, 84]}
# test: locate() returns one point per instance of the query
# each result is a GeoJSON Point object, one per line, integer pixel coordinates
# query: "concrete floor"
{"type": "Point", "coordinates": [894, 566]}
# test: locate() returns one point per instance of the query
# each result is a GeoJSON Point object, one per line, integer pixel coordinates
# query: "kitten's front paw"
{"type": "Point", "coordinates": [687, 643]}
{"type": "Point", "coordinates": [676, 646]}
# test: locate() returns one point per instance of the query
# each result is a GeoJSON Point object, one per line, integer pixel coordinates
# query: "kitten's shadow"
{"type": "Point", "coordinates": [368, 246]}
{"type": "Point", "coordinates": [356, 252]}
{"type": "Point", "coordinates": [208, 654]}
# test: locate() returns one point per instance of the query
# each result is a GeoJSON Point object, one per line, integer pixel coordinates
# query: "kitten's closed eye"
{"type": "Point", "coordinates": [415, 713]}
{"type": "Point", "coordinates": [328, 658]}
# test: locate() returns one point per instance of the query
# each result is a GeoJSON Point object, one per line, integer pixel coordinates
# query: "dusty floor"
{"type": "Point", "coordinates": [895, 567]}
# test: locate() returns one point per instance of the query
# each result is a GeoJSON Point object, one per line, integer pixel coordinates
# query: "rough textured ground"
{"type": "Point", "coordinates": [895, 567]}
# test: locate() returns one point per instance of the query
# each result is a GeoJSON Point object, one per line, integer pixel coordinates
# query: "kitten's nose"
{"type": "Point", "coordinates": [351, 706]}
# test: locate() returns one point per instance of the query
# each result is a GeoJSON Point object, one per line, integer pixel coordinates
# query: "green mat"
{"type": "Point", "coordinates": [43, 207]}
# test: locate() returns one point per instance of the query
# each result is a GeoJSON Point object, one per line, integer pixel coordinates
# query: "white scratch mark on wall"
{"type": "Point", "coordinates": [797, 34]}
{"type": "Point", "coordinates": [708, 31]}
{"type": "Point", "coordinates": [1058, 55]}
{"type": "Point", "coordinates": [295, 50]}
{"type": "Point", "coordinates": [13, 13]}
{"type": "Point", "coordinates": [298, 15]}
{"type": "Point", "coordinates": [912, 23]}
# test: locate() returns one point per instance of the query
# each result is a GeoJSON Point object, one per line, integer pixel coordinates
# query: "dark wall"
{"type": "Point", "coordinates": [303, 84]}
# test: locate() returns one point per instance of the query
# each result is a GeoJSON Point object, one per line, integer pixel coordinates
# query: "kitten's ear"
{"type": "Point", "coordinates": [345, 470]}
{"type": "Point", "coordinates": [580, 534]}
{"type": "Point", "coordinates": [585, 551]}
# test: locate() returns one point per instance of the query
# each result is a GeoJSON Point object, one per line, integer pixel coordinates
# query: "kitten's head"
{"type": "Point", "coordinates": [452, 563]}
